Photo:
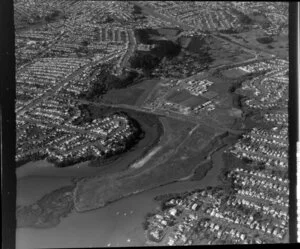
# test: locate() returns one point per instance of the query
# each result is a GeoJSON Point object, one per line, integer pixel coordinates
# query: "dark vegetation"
{"type": "Point", "coordinates": [53, 16]}
{"type": "Point", "coordinates": [85, 116]}
{"type": "Point", "coordinates": [238, 82]}
{"type": "Point", "coordinates": [33, 157]}
{"type": "Point", "coordinates": [243, 18]}
{"type": "Point", "coordinates": [202, 171]}
{"type": "Point", "coordinates": [237, 100]}
{"type": "Point", "coordinates": [229, 31]}
{"type": "Point", "coordinates": [137, 13]}
{"type": "Point", "coordinates": [35, 18]}
{"type": "Point", "coordinates": [144, 35]}
{"type": "Point", "coordinates": [265, 39]}
{"type": "Point", "coordinates": [147, 61]}
{"type": "Point", "coordinates": [137, 10]}
{"type": "Point", "coordinates": [106, 81]}
{"type": "Point", "coordinates": [70, 161]}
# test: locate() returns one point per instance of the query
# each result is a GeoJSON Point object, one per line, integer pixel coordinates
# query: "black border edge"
{"type": "Point", "coordinates": [8, 124]}
{"type": "Point", "coordinates": [293, 119]}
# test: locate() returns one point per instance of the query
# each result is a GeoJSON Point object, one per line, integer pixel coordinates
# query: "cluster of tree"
{"type": "Point", "coordinates": [137, 13]}
{"type": "Point", "coordinates": [247, 160]}
{"type": "Point", "coordinates": [166, 49]}
{"type": "Point", "coordinates": [108, 19]}
{"type": "Point", "coordinates": [265, 39]}
{"type": "Point", "coordinates": [266, 24]}
{"type": "Point", "coordinates": [243, 18]}
{"type": "Point", "coordinates": [137, 10]}
{"type": "Point", "coordinates": [70, 161]}
{"type": "Point", "coordinates": [85, 116]}
{"type": "Point", "coordinates": [106, 81]}
{"type": "Point", "coordinates": [23, 97]}
{"type": "Point", "coordinates": [143, 35]}
{"type": "Point", "coordinates": [53, 16]}
{"type": "Point", "coordinates": [32, 157]}
{"type": "Point", "coordinates": [148, 61]}
{"type": "Point", "coordinates": [237, 100]}
{"type": "Point", "coordinates": [229, 31]}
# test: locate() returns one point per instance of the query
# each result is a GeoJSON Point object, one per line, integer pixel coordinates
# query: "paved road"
{"type": "Point", "coordinates": [181, 117]}
{"type": "Point", "coordinates": [62, 83]}
{"type": "Point", "coordinates": [129, 52]}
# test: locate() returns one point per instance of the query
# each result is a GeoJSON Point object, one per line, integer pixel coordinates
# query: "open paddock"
{"type": "Point", "coordinates": [279, 46]}
{"type": "Point", "coordinates": [122, 96]}
{"type": "Point", "coordinates": [132, 95]}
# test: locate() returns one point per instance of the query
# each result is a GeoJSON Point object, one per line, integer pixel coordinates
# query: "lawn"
{"type": "Point", "coordinates": [179, 96]}
{"type": "Point", "coordinates": [123, 96]}
{"type": "Point", "coordinates": [132, 95]}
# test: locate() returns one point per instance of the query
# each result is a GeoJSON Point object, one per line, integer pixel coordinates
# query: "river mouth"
{"type": "Point", "coordinates": [108, 225]}
{"type": "Point", "coordinates": [115, 224]}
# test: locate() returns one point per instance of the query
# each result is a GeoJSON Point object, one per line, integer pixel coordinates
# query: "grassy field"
{"type": "Point", "coordinates": [279, 45]}
{"type": "Point", "coordinates": [123, 96]}
{"type": "Point", "coordinates": [133, 95]}
{"type": "Point", "coordinates": [179, 96]}
{"type": "Point", "coordinates": [225, 53]}
{"type": "Point", "coordinates": [220, 85]}
{"type": "Point", "coordinates": [194, 101]}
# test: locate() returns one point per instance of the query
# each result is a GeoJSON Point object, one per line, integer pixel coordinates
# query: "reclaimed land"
{"type": "Point", "coordinates": [169, 165]}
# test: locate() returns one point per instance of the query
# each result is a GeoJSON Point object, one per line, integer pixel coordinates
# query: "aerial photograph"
{"type": "Point", "coordinates": [151, 123]}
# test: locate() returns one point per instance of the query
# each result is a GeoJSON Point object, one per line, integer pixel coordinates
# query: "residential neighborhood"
{"type": "Point", "coordinates": [163, 123]}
